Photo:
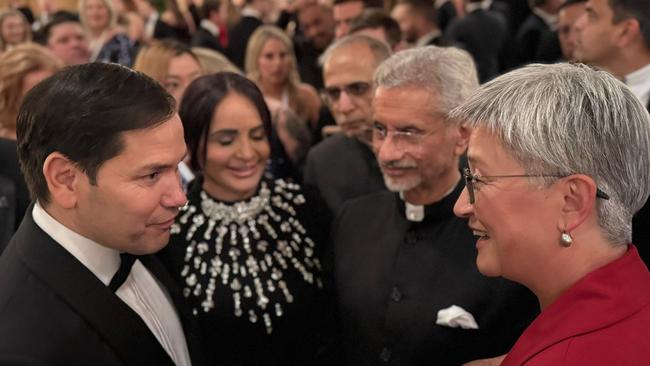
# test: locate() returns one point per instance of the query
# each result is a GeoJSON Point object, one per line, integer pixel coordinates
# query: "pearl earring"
{"type": "Point", "coordinates": [566, 240]}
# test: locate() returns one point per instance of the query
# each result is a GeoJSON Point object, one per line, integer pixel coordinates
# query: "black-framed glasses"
{"type": "Point", "coordinates": [354, 89]}
{"type": "Point", "coordinates": [472, 179]}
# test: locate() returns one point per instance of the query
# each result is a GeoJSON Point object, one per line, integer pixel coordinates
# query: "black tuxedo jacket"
{"type": "Point", "coordinates": [9, 169]}
{"type": "Point", "coordinates": [484, 34]}
{"type": "Point", "coordinates": [342, 168]}
{"type": "Point", "coordinates": [238, 39]}
{"type": "Point", "coordinates": [203, 38]}
{"type": "Point", "coordinates": [641, 229]}
{"type": "Point", "coordinates": [54, 311]}
{"type": "Point", "coordinates": [534, 41]}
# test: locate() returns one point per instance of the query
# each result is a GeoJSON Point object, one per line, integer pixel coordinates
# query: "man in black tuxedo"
{"type": "Point", "coordinates": [417, 20]}
{"type": "Point", "coordinates": [614, 35]}
{"type": "Point", "coordinates": [207, 34]}
{"type": "Point", "coordinates": [252, 16]}
{"type": "Point", "coordinates": [484, 34]}
{"type": "Point", "coordinates": [98, 146]}
{"type": "Point", "coordinates": [536, 40]}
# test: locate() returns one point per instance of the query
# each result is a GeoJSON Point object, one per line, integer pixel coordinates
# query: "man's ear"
{"type": "Point", "coordinates": [628, 31]}
{"type": "Point", "coordinates": [579, 193]}
{"type": "Point", "coordinates": [463, 140]}
{"type": "Point", "coordinates": [62, 176]}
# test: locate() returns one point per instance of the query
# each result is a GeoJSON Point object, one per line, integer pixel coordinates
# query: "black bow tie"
{"type": "Point", "coordinates": [122, 273]}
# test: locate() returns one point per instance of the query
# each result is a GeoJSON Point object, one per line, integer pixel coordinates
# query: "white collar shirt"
{"type": "Point", "coordinates": [549, 19]}
{"type": "Point", "coordinates": [425, 39]}
{"type": "Point", "coordinates": [210, 27]}
{"type": "Point", "coordinates": [639, 82]}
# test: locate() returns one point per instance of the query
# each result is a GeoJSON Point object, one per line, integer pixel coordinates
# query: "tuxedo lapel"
{"type": "Point", "coordinates": [188, 321]}
{"type": "Point", "coordinates": [122, 328]}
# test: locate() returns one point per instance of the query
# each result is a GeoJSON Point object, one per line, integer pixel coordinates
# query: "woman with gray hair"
{"type": "Point", "coordinates": [559, 161]}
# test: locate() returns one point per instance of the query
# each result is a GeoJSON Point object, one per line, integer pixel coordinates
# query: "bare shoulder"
{"type": "Point", "coordinates": [309, 95]}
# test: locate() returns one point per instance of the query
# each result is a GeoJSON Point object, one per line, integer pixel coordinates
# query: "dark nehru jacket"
{"type": "Point", "coordinates": [342, 168]}
{"type": "Point", "coordinates": [394, 275]}
{"type": "Point", "coordinates": [641, 229]}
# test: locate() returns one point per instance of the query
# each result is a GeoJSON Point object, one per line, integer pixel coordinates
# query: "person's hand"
{"type": "Point", "coordinates": [496, 361]}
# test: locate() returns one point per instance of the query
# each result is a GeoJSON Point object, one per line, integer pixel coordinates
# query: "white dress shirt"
{"type": "Point", "coordinates": [141, 291]}
{"type": "Point", "coordinates": [639, 82]}
{"type": "Point", "coordinates": [549, 19]}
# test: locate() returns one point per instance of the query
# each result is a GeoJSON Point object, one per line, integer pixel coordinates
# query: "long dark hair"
{"type": "Point", "coordinates": [200, 101]}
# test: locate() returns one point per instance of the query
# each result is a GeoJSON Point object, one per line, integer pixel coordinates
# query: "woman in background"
{"type": "Point", "coordinates": [108, 43]}
{"type": "Point", "coordinates": [559, 161]}
{"type": "Point", "coordinates": [213, 62]}
{"type": "Point", "coordinates": [246, 247]}
{"type": "Point", "coordinates": [21, 68]}
{"type": "Point", "coordinates": [129, 19]}
{"type": "Point", "coordinates": [271, 64]}
{"type": "Point", "coordinates": [14, 29]}
{"type": "Point", "coordinates": [171, 63]}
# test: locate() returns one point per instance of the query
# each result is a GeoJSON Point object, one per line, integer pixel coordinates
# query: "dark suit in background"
{"type": "Point", "coordinates": [204, 38]}
{"type": "Point", "coordinates": [48, 298]}
{"type": "Point", "coordinates": [484, 34]}
{"type": "Point", "coordinates": [530, 40]}
{"type": "Point", "coordinates": [14, 196]}
{"type": "Point", "coordinates": [238, 39]}
{"type": "Point", "coordinates": [342, 168]}
{"type": "Point", "coordinates": [641, 229]}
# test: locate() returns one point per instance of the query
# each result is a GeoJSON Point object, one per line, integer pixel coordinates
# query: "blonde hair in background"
{"type": "Point", "coordinates": [15, 64]}
{"type": "Point", "coordinates": [154, 58]}
{"type": "Point", "coordinates": [14, 13]}
{"type": "Point", "coordinates": [253, 50]}
{"type": "Point", "coordinates": [213, 62]}
{"type": "Point", "coordinates": [112, 14]}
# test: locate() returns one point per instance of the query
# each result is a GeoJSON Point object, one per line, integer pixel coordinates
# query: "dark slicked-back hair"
{"type": "Point", "coordinates": [200, 102]}
{"type": "Point", "coordinates": [568, 3]}
{"type": "Point", "coordinates": [210, 6]}
{"type": "Point", "coordinates": [425, 8]}
{"type": "Point", "coordinates": [637, 9]}
{"type": "Point", "coordinates": [81, 112]}
{"type": "Point", "coordinates": [58, 18]}
{"type": "Point", "coordinates": [378, 18]}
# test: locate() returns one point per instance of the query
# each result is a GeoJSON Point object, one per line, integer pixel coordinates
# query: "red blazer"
{"type": "Point", "coordinates": [603, 319]}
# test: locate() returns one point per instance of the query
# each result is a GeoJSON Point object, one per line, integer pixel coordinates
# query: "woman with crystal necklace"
{"type": "Point", "coordinates": [245, 248]}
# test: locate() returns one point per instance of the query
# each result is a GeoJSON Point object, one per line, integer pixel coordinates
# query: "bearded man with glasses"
{"type": "Point", "coordinates": [408, 289]}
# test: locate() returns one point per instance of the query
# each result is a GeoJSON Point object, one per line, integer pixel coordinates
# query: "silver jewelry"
{"type": "Point", "coordinates": [249, 247]}
{"type": "Point", "coordinates": [565, 239]}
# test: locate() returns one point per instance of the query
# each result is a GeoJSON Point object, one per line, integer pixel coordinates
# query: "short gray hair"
{"type": "Point", "coordinates": [450, 72]}
{"type": "Point", "coordinates": [568, 119]}
{"type": "Point", "coordinates": [379, 49]}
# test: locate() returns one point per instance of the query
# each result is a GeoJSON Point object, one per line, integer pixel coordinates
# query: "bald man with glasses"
{"type": "Point", "coordinates": [343, 166]}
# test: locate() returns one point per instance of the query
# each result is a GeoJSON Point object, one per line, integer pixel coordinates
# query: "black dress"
{"type": "Point", "coordinates": [252, 274]}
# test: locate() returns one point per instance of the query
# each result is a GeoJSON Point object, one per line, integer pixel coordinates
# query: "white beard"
{"type": "Point", "coordinates": [401, 184]}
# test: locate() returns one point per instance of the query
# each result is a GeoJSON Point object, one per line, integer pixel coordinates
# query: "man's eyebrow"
{"type": "Point", "coordinates": [155, 167]}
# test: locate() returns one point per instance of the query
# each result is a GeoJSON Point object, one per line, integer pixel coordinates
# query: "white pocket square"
{"type": "Point", "coordinates": [455, 316]}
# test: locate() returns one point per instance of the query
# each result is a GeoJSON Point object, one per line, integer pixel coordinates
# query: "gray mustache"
{"type": "Point", "coordinates": [399, 164]}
